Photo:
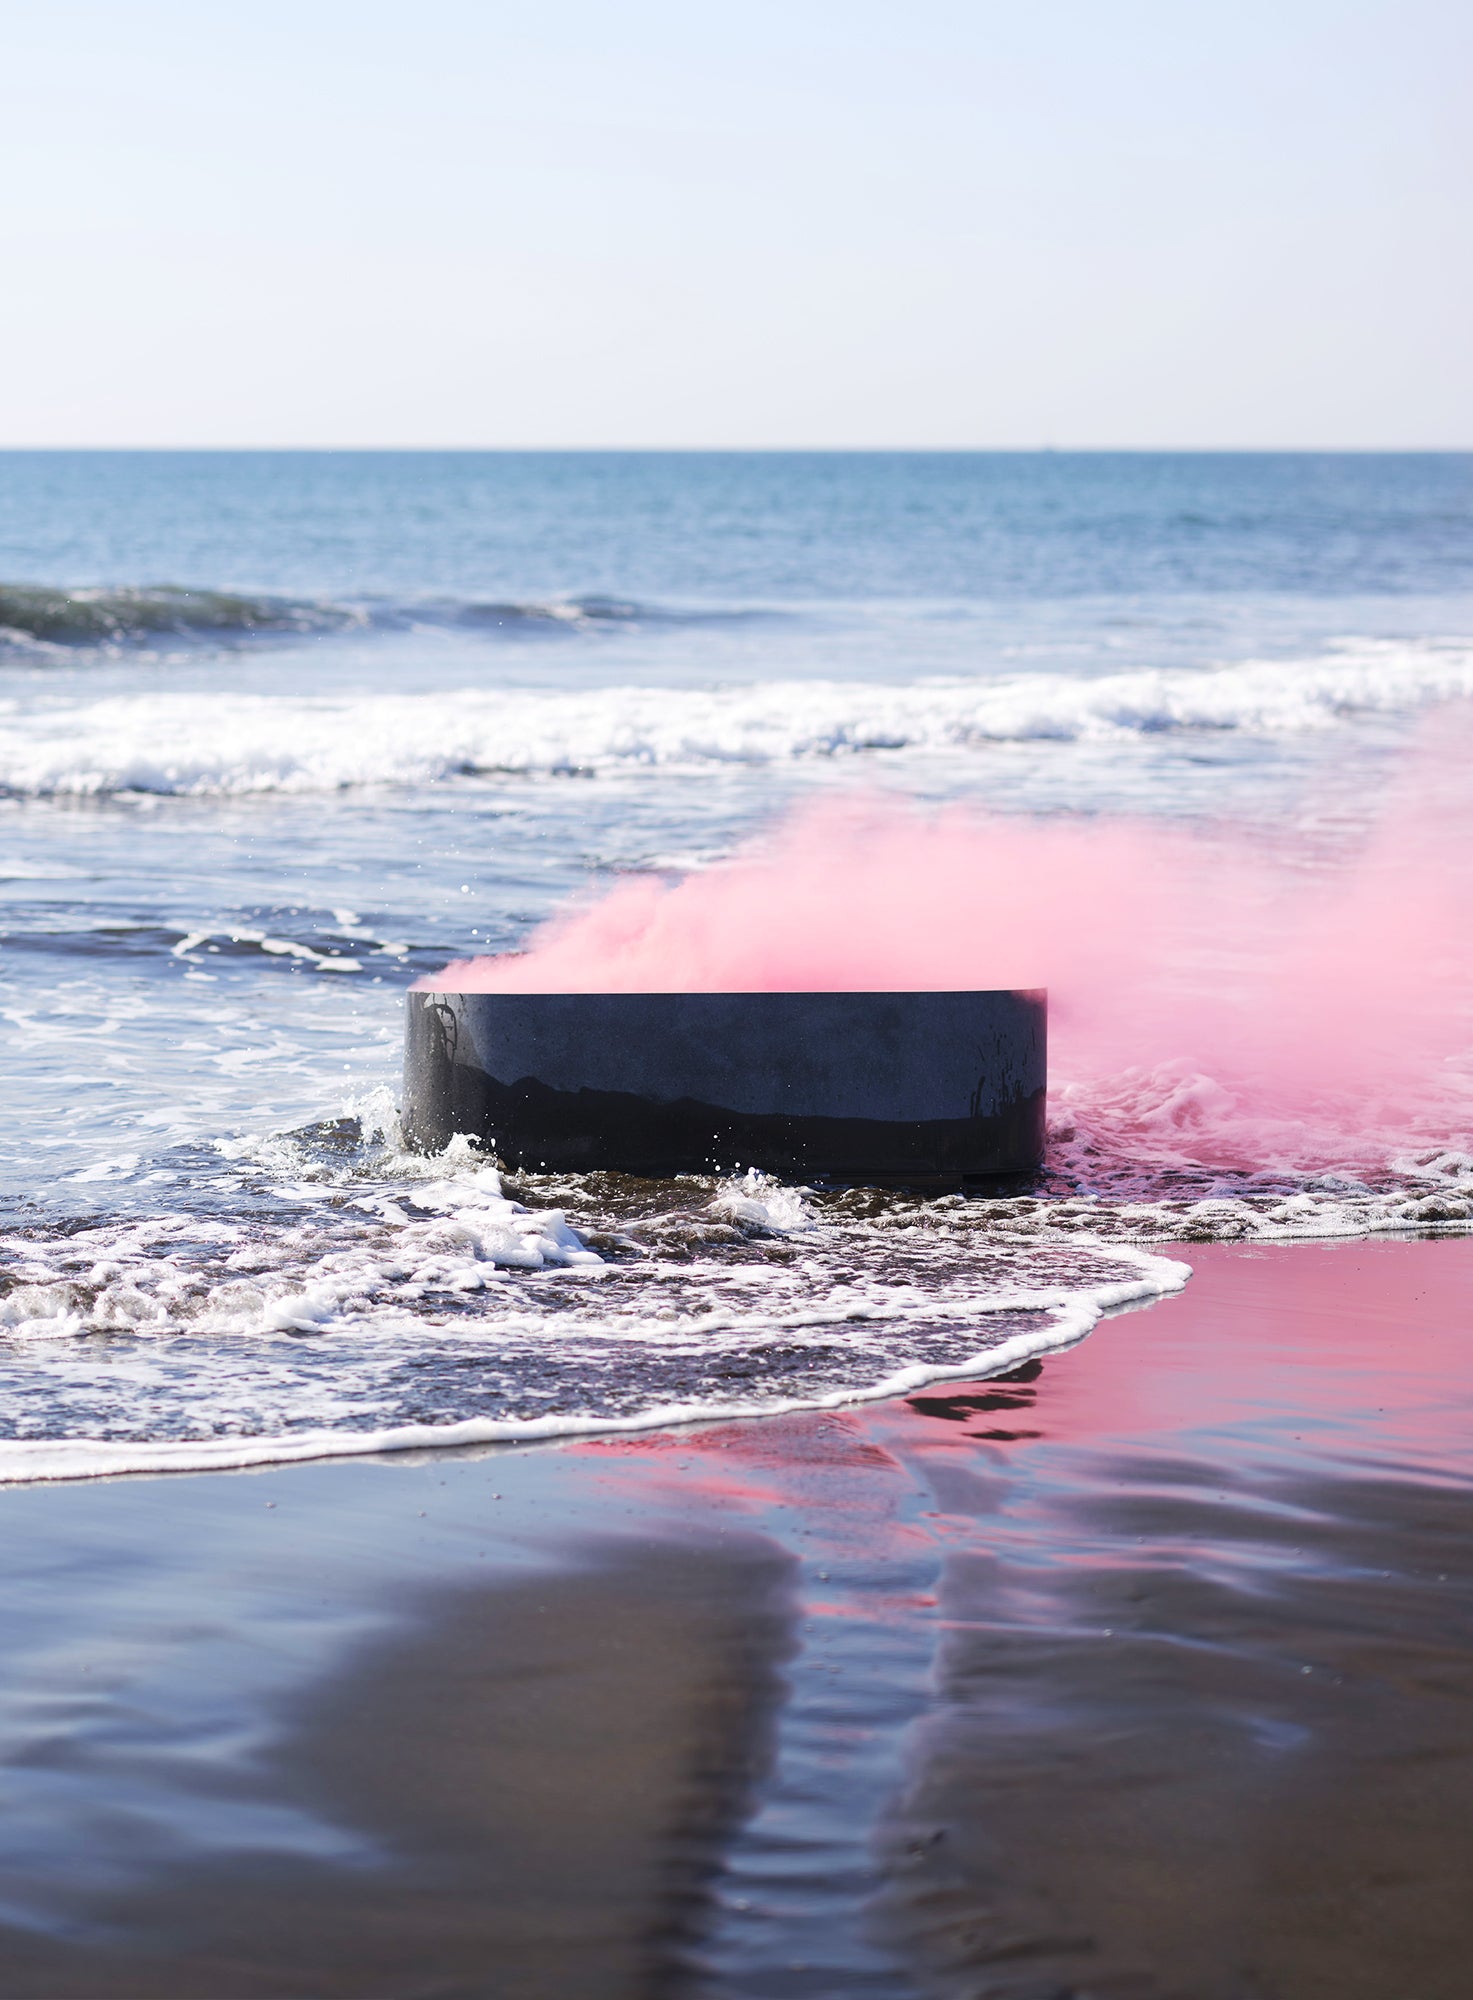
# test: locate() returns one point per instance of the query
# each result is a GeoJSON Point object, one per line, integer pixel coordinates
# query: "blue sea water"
{"type": "Point", "coordinates": [281, 731]}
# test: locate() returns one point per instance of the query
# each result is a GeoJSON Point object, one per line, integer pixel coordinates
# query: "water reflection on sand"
{"type": "Point", "coordinates": [1144, 1671]}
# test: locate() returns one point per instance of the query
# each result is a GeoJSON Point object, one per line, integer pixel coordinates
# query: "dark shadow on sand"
{"type": "Point", "coordinates": [541, 1777]}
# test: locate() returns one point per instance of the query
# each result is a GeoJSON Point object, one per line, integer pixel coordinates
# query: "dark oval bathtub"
{"type": "Point", "coordinates": [889, 1088]}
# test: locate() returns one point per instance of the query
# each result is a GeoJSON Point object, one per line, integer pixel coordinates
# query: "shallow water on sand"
{"type": "Point", "coordinates": [1144, 1670]}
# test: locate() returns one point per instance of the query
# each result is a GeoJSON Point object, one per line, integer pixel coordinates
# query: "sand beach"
{"type": "Point", "coordinates": [1147, 1670]}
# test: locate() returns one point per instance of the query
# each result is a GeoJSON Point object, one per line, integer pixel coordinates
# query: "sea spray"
{"type": "Point", "coordinates": [307, 738]}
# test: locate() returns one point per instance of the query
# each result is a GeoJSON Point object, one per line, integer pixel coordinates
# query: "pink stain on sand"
{"type": "Point", "coordinates": [1352, 1355]}
{"type": "Point", "coordinates": [1208, 1002]}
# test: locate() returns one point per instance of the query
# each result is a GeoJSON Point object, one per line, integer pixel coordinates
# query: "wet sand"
{"type": "Point", "coordinates": [1147, 1672]}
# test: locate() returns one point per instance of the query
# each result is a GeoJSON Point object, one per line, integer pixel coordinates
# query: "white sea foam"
{"type": "Point", "coordinates": [424, 1305]}
{"type": "Point", "coordinates": [421, 1304]}
{"type": "Point", "coordinates": [393, 1301]}
{"type": "Point", "coordinates": [1069, 1320]}
{"type": "Point", "coordinates": [1062, 1317]}
{"type": "Point", "coordinates": [209, 742]}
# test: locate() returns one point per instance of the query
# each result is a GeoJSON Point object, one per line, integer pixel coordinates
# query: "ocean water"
{"type": "Point", "coordinates": [280, 733]}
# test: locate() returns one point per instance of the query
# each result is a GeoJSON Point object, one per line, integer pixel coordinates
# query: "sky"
{"type": "Point", "coordinates": [783, 223]}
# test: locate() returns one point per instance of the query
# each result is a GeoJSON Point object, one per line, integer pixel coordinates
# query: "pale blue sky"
{"type": "Point", "coordinates": [562, 223]}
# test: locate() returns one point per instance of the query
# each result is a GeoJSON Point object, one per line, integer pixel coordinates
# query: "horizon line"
{"type": "Point", "coordinates": [805, 450]}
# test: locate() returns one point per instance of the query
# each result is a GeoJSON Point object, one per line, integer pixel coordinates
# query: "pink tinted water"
{"type": "Point", "coordinates": [1346, 1357]}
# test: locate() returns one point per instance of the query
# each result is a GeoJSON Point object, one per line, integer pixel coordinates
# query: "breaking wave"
{"type": "Point", "coordinates": [204, 743]}
{"type": "Point", "coordinates": [43, 620]}
{"type": "Point", "coordinates": [37, 616]}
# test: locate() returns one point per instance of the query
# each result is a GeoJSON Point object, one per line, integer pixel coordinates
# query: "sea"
{"type": "Point", "coordinates": [282, 732]}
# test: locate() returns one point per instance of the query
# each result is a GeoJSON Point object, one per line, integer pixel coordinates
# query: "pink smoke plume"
{"type": "Point", "coordinates": [1208, 1000]}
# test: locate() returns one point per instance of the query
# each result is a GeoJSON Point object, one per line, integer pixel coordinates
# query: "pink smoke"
{"type": "Point", "coordinates": [1209, 1001]}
